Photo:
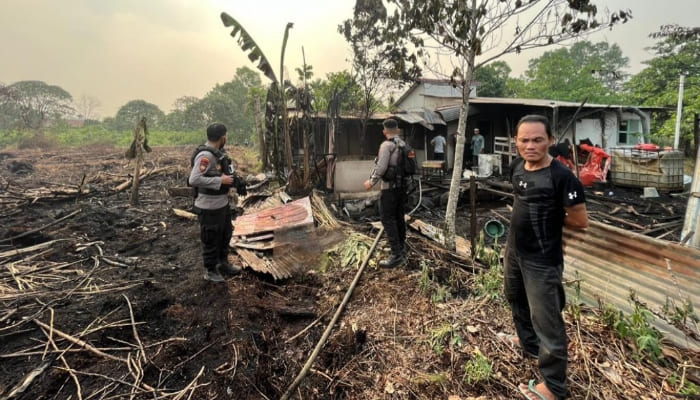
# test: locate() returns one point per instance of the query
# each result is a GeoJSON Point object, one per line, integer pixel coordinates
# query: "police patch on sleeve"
{"type": "Point", "coordinates": [203, 164]}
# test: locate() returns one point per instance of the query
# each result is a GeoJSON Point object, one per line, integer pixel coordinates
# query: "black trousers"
{"type": "Point", "coordinates": [536, 296]}
{"type": "Point", "coordinates": [216, 230]}
{"type": "Point", "coordinates": [439, 156]}
{"type": "Point", "coordinates": [391, 209]}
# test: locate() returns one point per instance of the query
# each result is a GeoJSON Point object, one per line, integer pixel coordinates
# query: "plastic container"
{"type": "Point", "coordinates": [640, 168]}
{"type": "Point", "coordinates": [485, 165]}
{"type": "Point", "coordinates": [494, 228]}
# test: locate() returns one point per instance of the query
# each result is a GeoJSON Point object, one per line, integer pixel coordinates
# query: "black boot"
{"type": "Point", "coordinates": [213, 275]}
{"type": "Point", "coordinates": [228, 268]}
{"type": "Point", "coordinates": [393, 261]}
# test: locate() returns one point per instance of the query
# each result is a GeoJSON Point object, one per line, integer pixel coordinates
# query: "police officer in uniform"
{"type": "Point", "coordinates": [212, 176]}
{"type": "Point", "coordinates": [393, 196]}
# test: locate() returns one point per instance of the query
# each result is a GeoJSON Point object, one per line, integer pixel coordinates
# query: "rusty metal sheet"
{"type": "Point", "coordinates": [610, 262]}
{"type": "Point", "coordinates": [265, 264]}
{"type": "Point", "coordinates": [291, 215]}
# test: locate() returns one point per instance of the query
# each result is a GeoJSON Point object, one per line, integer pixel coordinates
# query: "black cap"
{"type": "Point", "coordinates": [215, 131]}
{"type": "Point", "coordinates": [390, 123]}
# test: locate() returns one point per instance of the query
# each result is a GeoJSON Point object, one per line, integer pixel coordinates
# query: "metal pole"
{"type": "Point", "coordinates": [679, 111]}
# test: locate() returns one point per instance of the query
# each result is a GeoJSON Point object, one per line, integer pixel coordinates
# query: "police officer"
{"type": "Point", "coordinates": [393, 196]}
{"type": "Point", "coordinates": [212, 177]}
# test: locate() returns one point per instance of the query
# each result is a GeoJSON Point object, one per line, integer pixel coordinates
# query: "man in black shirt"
{"type": "Point", "coordinates": [547, 197]}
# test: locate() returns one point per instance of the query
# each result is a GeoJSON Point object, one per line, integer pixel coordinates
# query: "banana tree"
{"type": "Point", "coordinates": [275, 95]}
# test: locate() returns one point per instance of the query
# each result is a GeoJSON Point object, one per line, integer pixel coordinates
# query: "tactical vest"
{"type": "Point", "coordinates": [225, 167]}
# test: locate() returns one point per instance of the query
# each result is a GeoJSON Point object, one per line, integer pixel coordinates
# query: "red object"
{"type": "Point", "coordinates": [596, 167]}
{"type": "Point", "coordinates": [646, 147]}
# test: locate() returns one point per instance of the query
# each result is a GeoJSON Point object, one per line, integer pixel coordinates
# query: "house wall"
{"type": "Point", "coordinates": [350, 175]}
{"type": "Point", "coordinates": [425, 96]}
{"type": "Point", "coordinates": [604, 131]}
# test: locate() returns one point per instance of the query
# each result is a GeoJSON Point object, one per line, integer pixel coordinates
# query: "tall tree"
{"type": "Point", "coordinates": [492, 79]}
{"type": "Point", "coordinates": [372, 59]}
{"type": "Point", "coordinates": [130, 114]}
{"type": "Point", "coordinates": [583, 71]}
{"type": "Point", "coordinates": [86, 107]}
{"type": "Point", "coordinates": [36, 102]}
{"type": "Point", "coordinates": [185, 114]}
{"type": "Point", "coordinates": [657, 84]}
{"type": "Point", "coordinates": [341, 84]}
{"type": "Point", "coordinates": [465, 29]}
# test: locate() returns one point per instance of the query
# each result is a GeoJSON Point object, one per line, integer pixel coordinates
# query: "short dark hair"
{"type": "Point", "coordinates": [535, 118]}
{"type": "Point", "coordinates": [390, 123]}
{"type": "Point", "coordinates": [215, 131]}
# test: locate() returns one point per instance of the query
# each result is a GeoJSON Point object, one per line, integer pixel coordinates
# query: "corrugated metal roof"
{"type": "Point", "coordinates": [293, 214]}
{"type": "Point", "coordinates": [610, 263]}
{"type": "Point", "coordinates": [537, 103]}
{"type": "Point", "coordinates": [449, 114]}
{"type": "Point", "coordinates": [444, 90]}
{"type": "Point", "coordinates": [423, 117]}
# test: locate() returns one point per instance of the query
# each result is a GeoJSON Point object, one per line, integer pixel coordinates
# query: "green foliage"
{"type": "Point", "coordinates": [441, 294]}
{"type": "Point", "coordinates": [585, 70]}
{"type": "Point", "coordinates": [30, 104]}
{"type": "Point", "coordinates": [477, 369]}
{"type": "Point", "coordinates": [493, 79]}
{"type": "Point", "coordinates": [657, 85]}
{"type": "Point", "coordinates": [637, 328]}
{"type": "Point", "coordinates": [9, 138]}
{"type": "Point", "coordinates": [678, 315]}
{"type": "Point", "coordinates": [574, 306]}
{"type": "Point", "coordinates": [130, 113]}
{"type": "Point", "coordinates": [684, 387]}
{"type": "Point", "coordinates": [349, 253]}
{"type": "Point", "coordinates": [489, 282]}
{"type": "Point", "coordinates": [341, 86]}
{"type": "Point", "coordinates": [490, 256]}
{"type": "Point", "coordinates": [444, 335]}
{"type": "Point", "coordinates": [248, 45]}
{"type": "Point", "coordinates": [95, 135]}
{"type": "Point", "coordinates": [428, 286]}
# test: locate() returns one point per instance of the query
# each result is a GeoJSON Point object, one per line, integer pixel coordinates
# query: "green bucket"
{"type": "Point", "coordinates": [494, 228]}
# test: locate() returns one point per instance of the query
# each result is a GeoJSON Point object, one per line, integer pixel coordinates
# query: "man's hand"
{"type": "Point", "coordinates": [368, 185]}
{"type": "Point", "coordinates": [226, 180]}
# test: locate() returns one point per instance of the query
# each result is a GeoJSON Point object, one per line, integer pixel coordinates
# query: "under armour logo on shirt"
{"type": "Point", "coordinates": [523, 184]}
{"type": "Point", "coordinates": [572, 195]}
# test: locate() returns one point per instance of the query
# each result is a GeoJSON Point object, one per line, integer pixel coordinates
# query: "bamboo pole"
{"type": "Point", "coordinates": [327, 332]}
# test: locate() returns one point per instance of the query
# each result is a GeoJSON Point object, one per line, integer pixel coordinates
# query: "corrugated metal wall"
{"type": "Point", "coordinates": [611, 262]}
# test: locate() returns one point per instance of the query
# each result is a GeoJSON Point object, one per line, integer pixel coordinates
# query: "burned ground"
{"type": "Point", "coordinates": [103, 300]}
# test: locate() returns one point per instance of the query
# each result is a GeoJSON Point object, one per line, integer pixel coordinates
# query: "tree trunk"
{"type": "Point", "coordinates": [139, 133]}
{"type": "Point", "coordinates": [307, 164]}
{"type": "Point", "coordinates": [696, 132]}
{"type": "Point", "coordinates": [261, 134]}
{"type": "Point", "coordinates": [451, 211]}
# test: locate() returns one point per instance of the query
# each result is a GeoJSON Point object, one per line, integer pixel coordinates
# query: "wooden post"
{"type": "Point", "coordinates": [139, 134]}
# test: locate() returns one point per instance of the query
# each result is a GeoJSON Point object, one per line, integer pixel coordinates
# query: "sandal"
{"type": "Point", "coordinates": [531, 390]}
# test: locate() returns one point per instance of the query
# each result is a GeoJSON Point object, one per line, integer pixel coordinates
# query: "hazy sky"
{"type": "Point", "coordinates": [160, 50]}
